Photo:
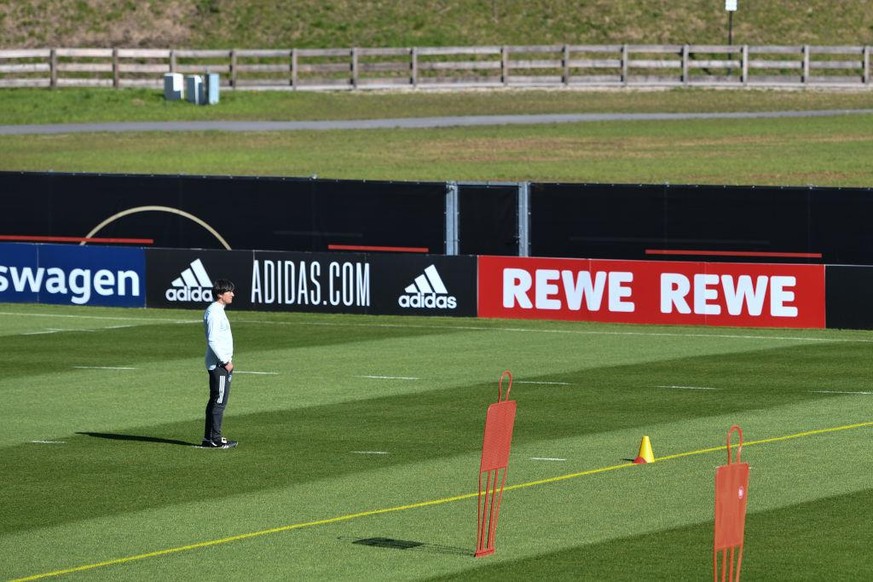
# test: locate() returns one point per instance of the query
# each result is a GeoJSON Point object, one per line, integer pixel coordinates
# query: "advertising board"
{"type": "Point", "coordinates": [686, 293]}
{"type": "Point", "coordinates": [386, 284]}
{"type": "Point", "coordinates": [72, 274]}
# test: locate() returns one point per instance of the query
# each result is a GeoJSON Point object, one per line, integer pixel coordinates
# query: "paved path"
{"type": "Point", "coordinates": [409, 123]}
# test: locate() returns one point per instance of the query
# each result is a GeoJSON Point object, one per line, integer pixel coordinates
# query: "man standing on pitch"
{"type": "Point", "coordinates": [219, 363]}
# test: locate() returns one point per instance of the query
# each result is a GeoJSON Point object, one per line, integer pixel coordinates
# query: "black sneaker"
{"type": "Point", "coordinates": [223, 443]}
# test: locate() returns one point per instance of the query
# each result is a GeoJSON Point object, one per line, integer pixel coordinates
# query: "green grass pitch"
{"type": "Point", "coordinates": [360, 441]}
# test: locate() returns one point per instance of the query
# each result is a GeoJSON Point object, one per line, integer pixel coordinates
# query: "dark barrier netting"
{"type": "Point", "coordinates": [488, 222]}
{"type": "Point", "coordinates": [247, 213]}
{"type": "Point", "coordinates": [587, 221]}
{"type": "Point", "coordinates": [713, 223]}
{"type": "Point", "coordinates": [848, 304]}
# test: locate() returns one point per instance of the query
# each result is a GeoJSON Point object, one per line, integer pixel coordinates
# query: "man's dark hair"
{"type": "Point", "coordinates": [221, 286]}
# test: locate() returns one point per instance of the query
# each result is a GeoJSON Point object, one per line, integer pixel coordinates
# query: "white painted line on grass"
{"type": "Point", "coordinates": [145, 320]}
{"type": "Point", "coordinates": [370, 452]}
{"type": "Point", "coordinates": [687, 387]}
{"type": "Point", "coordinates": [44, 332]}
{"type": "Point", "coordinates": [49, 442]}
{"type": "Point", "coordinates": [235, 371]}
{"type": "Point", "coordinates": [102, 368]}
{"type": "Point", "coordinates": [543, 383]}
{"type": "Point", "coordinates": [558, 459]}
{"type": "Point", "coordinates": [390, 377]}
{"type": "Point", "coordinates": [841, 392]}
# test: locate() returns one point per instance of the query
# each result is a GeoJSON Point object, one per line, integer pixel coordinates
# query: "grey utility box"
{"type": "Point", "coordinates": [174, 88]}
{"type": "Point", "coordinates": [213, 86]}
{"type": "Point", "coordinates": [194, 90]}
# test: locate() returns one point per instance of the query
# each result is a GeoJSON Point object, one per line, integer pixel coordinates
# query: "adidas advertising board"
{"type": "Point", "coordinates": [425, 285]}
{"type": "Point", "coordinates": [183, 279]}
{"type": "Point", "coordinates": [72, 274]}
{"type": "Point", "coordinates": [387, 284]}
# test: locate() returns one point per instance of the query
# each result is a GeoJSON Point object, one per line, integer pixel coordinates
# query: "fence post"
{"type": "Point", "coordinates": [354, 56]}
{"type": "Point", "coordinates": [624, 64]}
{"type": "Point", "coordinates": [233, 68]}
{"type": "Point", "coordinates": [413, 67]}
{"type": "Point", "coordinates": [115, 72]}
{"type": "Point", "coordinates": [504, 65]}
{"type": "Point", "coordinates": [744, 56]}
{"type": "Point", "coordinates": [294, 68]}
{"type": "Point", "coordinates": [452, 246]}
{"type": "Point", "coordinates": [685, 64]}
{"type": "Point", "coordinates": [805, 76]}
{"type": "Point", "coordinates": [172, 61]}
{"type": "Point", "coordinates": [524, 219]}
{"type": "Point", "coordinates": [53, 68]}
{"type": "Point", "coordinates": [565, 63]}
{"type": "Point", "coordinates": [865, 75]}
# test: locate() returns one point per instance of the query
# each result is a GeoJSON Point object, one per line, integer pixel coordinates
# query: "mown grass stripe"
{"type": "Point", "coordinates": [421, 504]}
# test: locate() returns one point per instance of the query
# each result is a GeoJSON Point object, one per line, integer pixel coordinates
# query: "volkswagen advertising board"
{"type": "Point", "coordinates": [72, 274]}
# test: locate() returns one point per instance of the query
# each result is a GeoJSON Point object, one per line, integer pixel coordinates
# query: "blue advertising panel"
{"type": "Point", "coordinates": [68, 274]}
{"type": "Point", "coordinates": [17, 261]}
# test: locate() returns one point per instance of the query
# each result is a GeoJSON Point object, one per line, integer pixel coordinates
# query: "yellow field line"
{"type": "Point", "coordinates": [420, 504]}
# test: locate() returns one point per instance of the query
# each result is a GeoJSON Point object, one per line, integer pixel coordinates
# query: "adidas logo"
{"type": "Point", "coordinates": [428, 292]}
{"type": "Point", "coordinates": [193, 284]}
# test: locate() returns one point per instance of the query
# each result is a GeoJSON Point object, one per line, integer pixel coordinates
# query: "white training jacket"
{"type": "Point", "coordinates": [219, 339]}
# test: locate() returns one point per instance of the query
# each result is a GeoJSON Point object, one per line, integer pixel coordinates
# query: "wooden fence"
{"type": "Point", "coordinates": [569, 66]}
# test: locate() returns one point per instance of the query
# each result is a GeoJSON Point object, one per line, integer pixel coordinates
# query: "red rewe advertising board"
{"type": "Point", "coordinates": [655, 292]}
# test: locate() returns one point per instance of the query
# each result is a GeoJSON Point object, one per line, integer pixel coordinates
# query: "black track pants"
{"type": "Point", "coordinates": [219, 392]}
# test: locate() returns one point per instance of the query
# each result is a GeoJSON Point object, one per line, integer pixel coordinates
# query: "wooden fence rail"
{"type": "Point", "coordinates": [570, 66]}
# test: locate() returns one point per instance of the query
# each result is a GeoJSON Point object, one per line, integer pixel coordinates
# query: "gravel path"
{"type": "Point", "coordinates": [402, 123]}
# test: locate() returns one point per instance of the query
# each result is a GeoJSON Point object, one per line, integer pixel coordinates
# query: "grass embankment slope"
{"type": "Point", "coordinates": [782, 152]}
{"type": "Point", "coordinates": [339, 23]}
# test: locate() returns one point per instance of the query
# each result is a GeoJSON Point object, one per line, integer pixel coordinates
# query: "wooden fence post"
{"type": "Point", "coordinates": [504, 65]}
{"type": "Point", "coordinates": [115, 71]}
{"type": "Point", "coordinates": [865, 75]}
{"type": "Point", "coordinates": [53, 68]}
{"type": "Point", "coordinates": [354, 67]}
{"type": "Point", "coordinates": [805, 75]}
{"type": "Point", "coordinates": [624, 64]}
{"type": "Point", "coordinates": [684, 64]}
{"type": "Point", "coordinates": [233, 68]}
{"type": "Point", "coordinates": [294, 68]}
{"type": "Point", "coordinates": [565, 64]}
{"type": "Point", "coordinates": [413, 67]}
{"type": "Point", "coordinates": [744, 56]}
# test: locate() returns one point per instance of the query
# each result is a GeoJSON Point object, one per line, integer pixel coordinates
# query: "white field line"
{"type": "Point", "coordinates": [100, 317]}
{"type": "Point", "coordinates": [103, 368]}
{"type": "Point", "coordinates": [841, 392]}
{"type": "Point", "coordinates": [47, 331]}
{"type": "Point", "coordinates": [462, 328]}
{"type": "Point", "coordinates": [571, 331]}
{"type": "Point", "coordinates": [389, 377]}
{"type": "Point", "coordinates": [370, 452]}
{"type": "Point", "coordinates": [556, 459]}
{"type": "Point", "coordinates": [543, 383]}
{"type": "Point", "coordinates": [235, 371]}
{"type": "Point", "coordinates": [49, 442]}
{"type": "Point", "coordinates": [687, 387]}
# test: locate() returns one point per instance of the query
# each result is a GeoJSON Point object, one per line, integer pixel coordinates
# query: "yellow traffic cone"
{"type": "Point", "coordinates": [645, 455]}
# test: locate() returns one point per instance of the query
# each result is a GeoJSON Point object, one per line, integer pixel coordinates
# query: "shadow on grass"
{"type": "Point", "coordinates": [137, 438]}
{"type": "Point", "coordinates": [393, 544]}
